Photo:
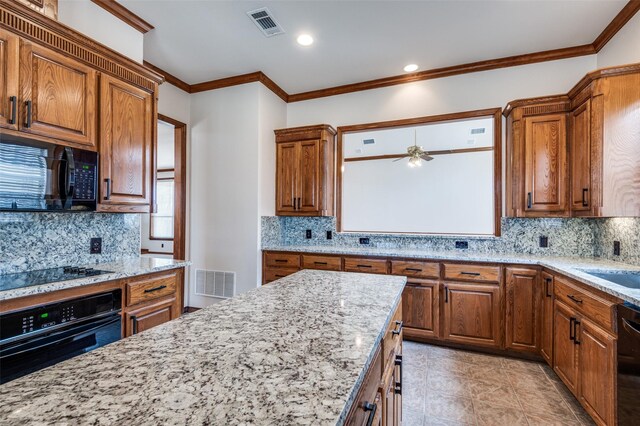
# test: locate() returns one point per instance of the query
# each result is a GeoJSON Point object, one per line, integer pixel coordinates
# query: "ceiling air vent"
{"type": "Point", "coordinates": [265, 21]}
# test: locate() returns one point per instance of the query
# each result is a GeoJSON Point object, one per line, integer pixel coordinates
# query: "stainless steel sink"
{"type": "Point", "coordinates": [627, 279]}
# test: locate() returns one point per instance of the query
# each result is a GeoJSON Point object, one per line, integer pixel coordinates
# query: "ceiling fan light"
{"type": "Point", "coordinates": [415, 162]}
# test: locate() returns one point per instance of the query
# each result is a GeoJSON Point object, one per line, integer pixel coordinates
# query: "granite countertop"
{"type": "Point", "coordinates": [124, 268]}
{"type": "Point", "coordinates": [573, 267]}
{"type": "Point", "coordinates": [291, 352]}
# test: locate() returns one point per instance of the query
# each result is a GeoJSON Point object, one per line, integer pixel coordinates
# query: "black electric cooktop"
{"type": "Point", "coordinates": [45, 276]}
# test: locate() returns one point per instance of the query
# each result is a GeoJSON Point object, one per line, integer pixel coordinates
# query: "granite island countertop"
{"type": "Point", "coordinates": [124, 268]}
{"type": "Point", "coordinates": [291, 352]}
{"type": "Point", "coordinates": [573, 267]}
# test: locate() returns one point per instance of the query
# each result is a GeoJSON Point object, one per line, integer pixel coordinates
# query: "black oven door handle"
{"type": "Point", "coordinates": [75, 332]}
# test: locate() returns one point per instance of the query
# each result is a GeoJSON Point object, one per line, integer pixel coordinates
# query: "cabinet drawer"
{"type": "Point", "coordinates": [282, 260]}
{"type": "Point", "coordinates": [471, 273]}
{"type": "Point", "coordinates": [372, 266]}
{"type": "Point", "coordinates": [328, 263]}
{"type": "Point", "coordinates": [599, 310]}
{"type": "Point", "coordinates": [368, 393]}
{"type": "Point", "coordinates": [151, 287]}
{"type": "Point", "coordinates": [415, 268]}
{"type": "Point", "coordinates": [272, 274]}
{"type": "Point", "coordinates": [392, 340]}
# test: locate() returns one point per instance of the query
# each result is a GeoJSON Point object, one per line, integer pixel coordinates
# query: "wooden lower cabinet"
{"type": "Point", "coordinates": [546, 329]}
{"type": "Point", "coordinates": [145, 317]}
{"type": "Point", "coordinates": [522, 310]}
{"type": "Point", "coordinates": [472, 314]}
{"type": "Point", "coordinates": [565, 351]}
{"type": "Point", "coordinates": [421, 308]}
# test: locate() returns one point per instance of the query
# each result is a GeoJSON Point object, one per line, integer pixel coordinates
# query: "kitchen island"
{"type": "Point", "coordinates": [292, 352]}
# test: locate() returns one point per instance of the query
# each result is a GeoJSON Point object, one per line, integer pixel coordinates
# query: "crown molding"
{"type": "Point", "coordinates": [125, 15]}
{"type": "Point", "coordinates": [627, 12]}
{"type": "Point", "coordinates": [169, 78]}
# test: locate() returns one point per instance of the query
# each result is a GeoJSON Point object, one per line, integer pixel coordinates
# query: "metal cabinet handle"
{"type": "Point", "coordinates": [398, 329]}
{"type": "Point", "coordinates": [398, 362]}
{"type": "Point", "coordinates": [320, 263]}
{"type": "Point", "coordinates": [27, 124]}
{"type": "Point", "coordinates": [446, 295]}
{"type": "Point", "coordinates": [547, 282]}
{"type": "Point", "coordinates": [576, 323]}
{"type": "Point", "coordinates": [151, 290]}
{"type": "Point", "coordinates": [14, 106]}
{"type": "Point", "coordinates": [108, 182]}
{"type": "Point", "coordinates": [281, 260]}
{"type": "Point", "coordinates": [575, 299]}
{"type": "Point", "coordinates": [135, 324]}
{"type": "Point", "coordinates": [363, 266]}
{"type": "Point", "coordinates": [585, 203]}
{"type": "Point", "coordinates": [368, 406]}
{"type": "Point", "coordinates": [413, 269]}
{"type": "Point", "coordinates": [298, 203]}
{"type": "Point", "coordinates": [473, 274]}
{"type": "Point", "coordinates": [529, 200]}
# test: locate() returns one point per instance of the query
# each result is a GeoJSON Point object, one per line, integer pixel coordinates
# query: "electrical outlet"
{"type": "Point", "coordinates": [462, 244]}
{"type": "Point", "coordinates": [95, 246]}
{"type": "Point", "coordinates": [364, 240]}
{"type": "Point", "coordinates": [329, 235]}
{"type": "Point", "coordinates": [616, 248]}
{"type": "Point", "coordinates": [544, 241]}
{"type": "Point", "coordinates": [307, 234]}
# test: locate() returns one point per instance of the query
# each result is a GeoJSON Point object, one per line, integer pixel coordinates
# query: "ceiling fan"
{"type": "Point", "coordinates": [415, 153]}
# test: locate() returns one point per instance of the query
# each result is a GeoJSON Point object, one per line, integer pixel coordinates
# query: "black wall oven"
{"type": "Point", "coordinates": [35, 338]}
{"type": "Point", "coordinates": [36, 176]}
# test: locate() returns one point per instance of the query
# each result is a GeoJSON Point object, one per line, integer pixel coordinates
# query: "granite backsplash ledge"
{"type": "Point", "coordinates": [566, 237]}
{"type": "Point", "coordinates": [31, 241]}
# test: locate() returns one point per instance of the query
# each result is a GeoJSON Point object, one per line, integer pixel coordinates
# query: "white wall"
{"type": "Point", "coordinates": [95, 22]}
{"type": "Point", "coordinates": [487, 89]}
{"type": "Point", "coordinates": [624, 47]}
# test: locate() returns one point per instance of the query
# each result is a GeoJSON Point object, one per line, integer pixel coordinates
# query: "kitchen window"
{"type": "Point", "coordinates": [162, 222]}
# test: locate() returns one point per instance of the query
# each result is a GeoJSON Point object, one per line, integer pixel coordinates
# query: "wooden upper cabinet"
{"type": "Point", "coordinates": [523, 313]}
{"type": "Point", "coordinates": [580, 158]}
{"type": "Point", "coordinates": [305, 171]}
{"type": "Point", "coordinates": [58, 96]}
{"type": "Point", "coordinates": [9, 89]}
{"type": "Point", "coordinates": [545, 165]}
{"type": "Point", "coordinates": [126, 133]}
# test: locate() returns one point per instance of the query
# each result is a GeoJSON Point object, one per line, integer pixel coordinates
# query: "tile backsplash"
{"type": "Point", "coordinates": [44, 240]}
{"type": "Point", "coordinates": [566, 237]}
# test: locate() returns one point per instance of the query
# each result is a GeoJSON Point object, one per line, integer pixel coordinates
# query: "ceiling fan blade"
{"type": "Point", "coordinates": [426, 157]}
{"type": "Point", "coordinates": [401, 158]}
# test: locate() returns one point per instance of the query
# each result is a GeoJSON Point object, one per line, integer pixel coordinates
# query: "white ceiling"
{"type": "Point", "coordinates": [357, 40]}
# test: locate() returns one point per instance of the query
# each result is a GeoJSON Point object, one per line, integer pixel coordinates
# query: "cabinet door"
{"type": "Point", "coordinates": [287, 162]}
{"type": "Point", "coordinates": [597, 372]}
{"type": "Point", "coordinates": [546, 338]}
{"type": "Point", "coordinates": [146, 317]}
{"type": "Point", "coordinates": [389, 402]}
{"type": "Point", "coordinates": [522, 320]}
{"type": "Point", "coordinates": [565, 351]}
{"type": "Point", "coordinates": [420, 307]}
{"type": "Point", "coordinates": [126, 126]}
{"type": "Point", "coordinates": [58, 96]}
{"type": "Point", "coordinates": [581, 158]}
{"type": "Point", "coordinates": [9, 66]}
{"type": "Point", "coordinates": [472, 314]}
{"type": "Point", "coordinates": [545, 164]}
{"type": "Point", "coordinates": [309, 177]}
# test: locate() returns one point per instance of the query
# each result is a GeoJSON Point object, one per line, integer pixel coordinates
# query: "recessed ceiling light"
{"type": "Point", "coordinates": [305, 40]}
{"type": "Point", "coordinates": [411, 68]}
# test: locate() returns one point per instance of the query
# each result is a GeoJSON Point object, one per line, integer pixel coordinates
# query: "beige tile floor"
{"type": "Point", "coordinates": [453, 387]}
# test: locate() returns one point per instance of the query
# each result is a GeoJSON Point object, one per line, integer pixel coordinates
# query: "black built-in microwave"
{"type": "Point", "coordinates": [38, 176]}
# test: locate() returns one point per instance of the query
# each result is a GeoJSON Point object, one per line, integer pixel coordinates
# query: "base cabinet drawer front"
{"type": "Point", "coordinates": [599, 310]}
{"type": "Point", "coordinates": [149, 316]}
{"type": "Point", "coordinates": [371, 266]}
{"type": "Point", "coordinates": [392, 340]}
{"type": "Point", "coordinates": [272, 274]}
{"type": "Point", "coordinates": [546, 332]}
{"type": "Point", "coordinates": [282, 260]}
{"type": "Point", "coordinates": [522, 310]}
{"type": "Point", "coordinates": [367, 405]}
{"type": "Point", "coordinates": [327, 263]}
{"type": "Point", "coordinates": [151, 287]}
{"type": "Point", "coordinates": [480, 273]}
{"type": "Point", "coordinates": [415, 269]}
{"type": "Point", "coordinates": [421, 308]}
{"type": "Point", "coordinates": [565, 350]}
{"type": "Point", "coordinates": [597, 366]}
{"type": "Point", "coordinates": [472, 314]}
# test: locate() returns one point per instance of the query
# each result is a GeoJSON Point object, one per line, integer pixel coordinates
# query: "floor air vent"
{"type": "Point", "coordinates": [265, 21]}
{"type": "Point", "coordinates": [215, 283]}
